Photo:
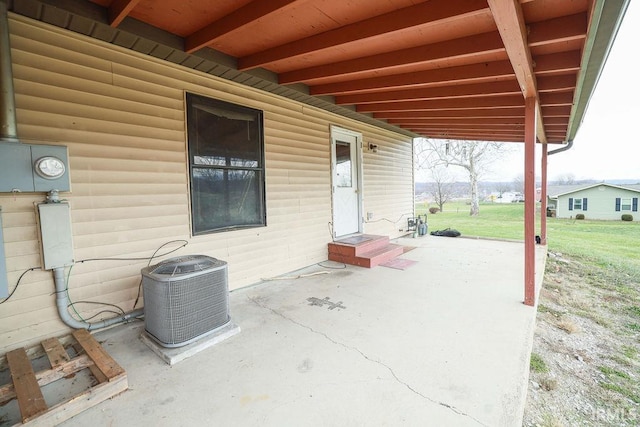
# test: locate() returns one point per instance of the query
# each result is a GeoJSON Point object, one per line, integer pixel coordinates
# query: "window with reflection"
{"type": "Point", "coordinates": [343, 164]}
{"type": "Point", "coordinates": [226, 164]}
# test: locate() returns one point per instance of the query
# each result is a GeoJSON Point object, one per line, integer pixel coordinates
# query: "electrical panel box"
{"type": "Point", "coordinates": [4, 281]}
{"type": "Point", "coordinates": [18, 168]}
{"type": "Point", "coordinates": [16, 171]}
{"type": "Point", "coordinates": [55, 235]}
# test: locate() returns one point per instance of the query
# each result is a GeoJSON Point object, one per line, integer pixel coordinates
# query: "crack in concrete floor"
{"type": "Point", "coordinates": [378, 362]}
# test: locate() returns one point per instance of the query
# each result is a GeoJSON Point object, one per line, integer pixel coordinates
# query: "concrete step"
{"type": "Point", "coordinates": [358, 245]}
{"type": "Point", "coordinates": [365, 253]}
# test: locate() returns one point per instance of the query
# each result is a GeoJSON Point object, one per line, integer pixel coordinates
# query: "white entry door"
{"type": "Point", "coordinates": [346, 182]}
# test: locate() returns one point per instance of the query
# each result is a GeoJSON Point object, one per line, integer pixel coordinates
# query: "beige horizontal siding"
{"type": "Point", "coordinates": [79, 123]}
{"type": "Point", "coordinates": [388, 174]}
{"type": "Point", "coordinates": [90, 92]}
{"type": "Point", "coordinates": [122, 117]}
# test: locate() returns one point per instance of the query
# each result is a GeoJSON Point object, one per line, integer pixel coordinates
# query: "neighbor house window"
{"type": "Point", "coordinates": [577, 204]}
{"type": "Point", "coordinates": [627, 204]}
{"type": "Point", "coordinates": [226, 165]}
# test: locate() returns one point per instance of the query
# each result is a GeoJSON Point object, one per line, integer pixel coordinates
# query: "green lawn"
{"type": "Point", "coordinates": [504, 221]}
{"type": "Point", "coordinates": [604, 243]}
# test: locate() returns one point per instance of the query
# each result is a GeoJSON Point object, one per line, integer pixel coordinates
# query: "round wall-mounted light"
{"type": "Point", "coordinates": [50, 167]}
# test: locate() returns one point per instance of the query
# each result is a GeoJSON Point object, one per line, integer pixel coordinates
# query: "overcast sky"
{"type": "Point", "coordinates": [607, 145]}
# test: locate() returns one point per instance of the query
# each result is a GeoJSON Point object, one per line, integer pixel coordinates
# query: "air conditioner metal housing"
{"type": "Point", "coordinates": [185, 299]}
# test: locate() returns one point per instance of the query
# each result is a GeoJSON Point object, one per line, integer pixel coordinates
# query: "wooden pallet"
{"type": "Point", "coordinates": [25, 383]}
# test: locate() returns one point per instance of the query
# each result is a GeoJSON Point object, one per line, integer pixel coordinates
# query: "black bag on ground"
{"type": "Point", "coordinates": [447, 233]}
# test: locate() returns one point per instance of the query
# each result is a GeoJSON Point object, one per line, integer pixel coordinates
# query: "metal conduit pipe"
{"type": "Point", "coordinates": [8, 133]}
{"type": "Point", "coordinates": [62, 302]}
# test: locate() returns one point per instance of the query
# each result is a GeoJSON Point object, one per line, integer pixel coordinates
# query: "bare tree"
{"type": "Point", "coordinates": [502, 187]}
{"type": "Point", "coordinates": [518, 183]}
{"type": "Point", "coordinates": [475, 157]}
{"type": "Point", "coordinates": [566, 179]}
{"type": "Point", "coordinates": [443, 187]}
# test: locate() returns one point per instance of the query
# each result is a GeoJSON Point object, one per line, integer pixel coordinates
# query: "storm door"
{"type": "Point", "coordinates": [346, 182]}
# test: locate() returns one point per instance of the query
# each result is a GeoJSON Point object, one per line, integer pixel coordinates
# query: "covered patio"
{"type": "Point", "coordinates": [445, 342]}
{"type": "Point", "coordinates": [497, 70]}
{"type": "Point", "coordinates": [110, 84]}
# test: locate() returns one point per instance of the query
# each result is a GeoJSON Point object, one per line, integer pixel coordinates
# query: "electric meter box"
{"type": "Point", "coordinates": [29, 168]}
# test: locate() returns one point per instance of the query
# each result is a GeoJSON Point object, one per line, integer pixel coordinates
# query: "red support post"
{"type": "Point", "coordinates": [543, 196]}
{"type": "Point", "coordinates": [530, 124]}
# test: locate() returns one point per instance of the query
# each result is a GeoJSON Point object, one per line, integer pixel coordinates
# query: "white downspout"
{"type": "Point", "coordinates": [561, 149]}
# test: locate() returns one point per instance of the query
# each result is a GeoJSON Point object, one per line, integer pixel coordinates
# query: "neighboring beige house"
{"type": "Point", "coordinates": [595, 201]}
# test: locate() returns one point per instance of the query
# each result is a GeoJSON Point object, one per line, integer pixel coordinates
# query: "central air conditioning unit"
{"type": "Point", "coordinates": [185, 298]}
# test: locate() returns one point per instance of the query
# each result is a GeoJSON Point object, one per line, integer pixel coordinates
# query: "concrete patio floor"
{"type": "Point", "coordinates": [445, 342]}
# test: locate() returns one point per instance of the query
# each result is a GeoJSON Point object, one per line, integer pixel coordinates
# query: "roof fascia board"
{"type": "Point", "coordinates": [588, 187]}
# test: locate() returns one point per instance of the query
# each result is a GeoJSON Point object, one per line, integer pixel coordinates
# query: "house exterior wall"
{"type": "Point", "coordinates": [601, 203]}
{"type": "Point", "coordinates": [122, 116]}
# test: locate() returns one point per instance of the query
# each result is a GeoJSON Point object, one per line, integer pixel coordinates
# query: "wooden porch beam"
{"type": "Point", "coordinates": [236, 19]}
{"type": "Point", "coordinates": [549, 99]}
{"type": "Point", "coordinates": [458, 91]}
{"type": "Point", "coordinates": [479, 128]}
{"type": "Point", "coordinates": [557, 111]}
{"type": "Point", "coordinates": [566, 28]}
{"type": "Point", "coordinates": [563, 83]}
{"type": "Point", "coordinates": [420, 15]}
{"type": "Point", "coordinates": [478, 136]}
{"type": "Point", "coordinates": [470, 131]}
{"type": "Point", "coordinates": [558, 122]}
{"type": "Point", "coordinates": [452, 114]}
{"type": "Point", "coordinates": [473, 136]}
{"type": "Point", "coordinates": [492, 102]}
{"type": "Point", "coordinates": [503, 121]}
{"type": "Point", "coordinates": [562, 62]}
{"type": "Point", "coordinates": [486, 72]}
{"type": "Point", "coordinates": [474, 73]}
{"type": "Point", "coordinates": [470, 134]}
{"type": "Point", "coordinates": [119, 10]}
{"type": "Point", "coordinates": [510, 22]}
{"type": "Point", "coordinates": [481, 47]}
